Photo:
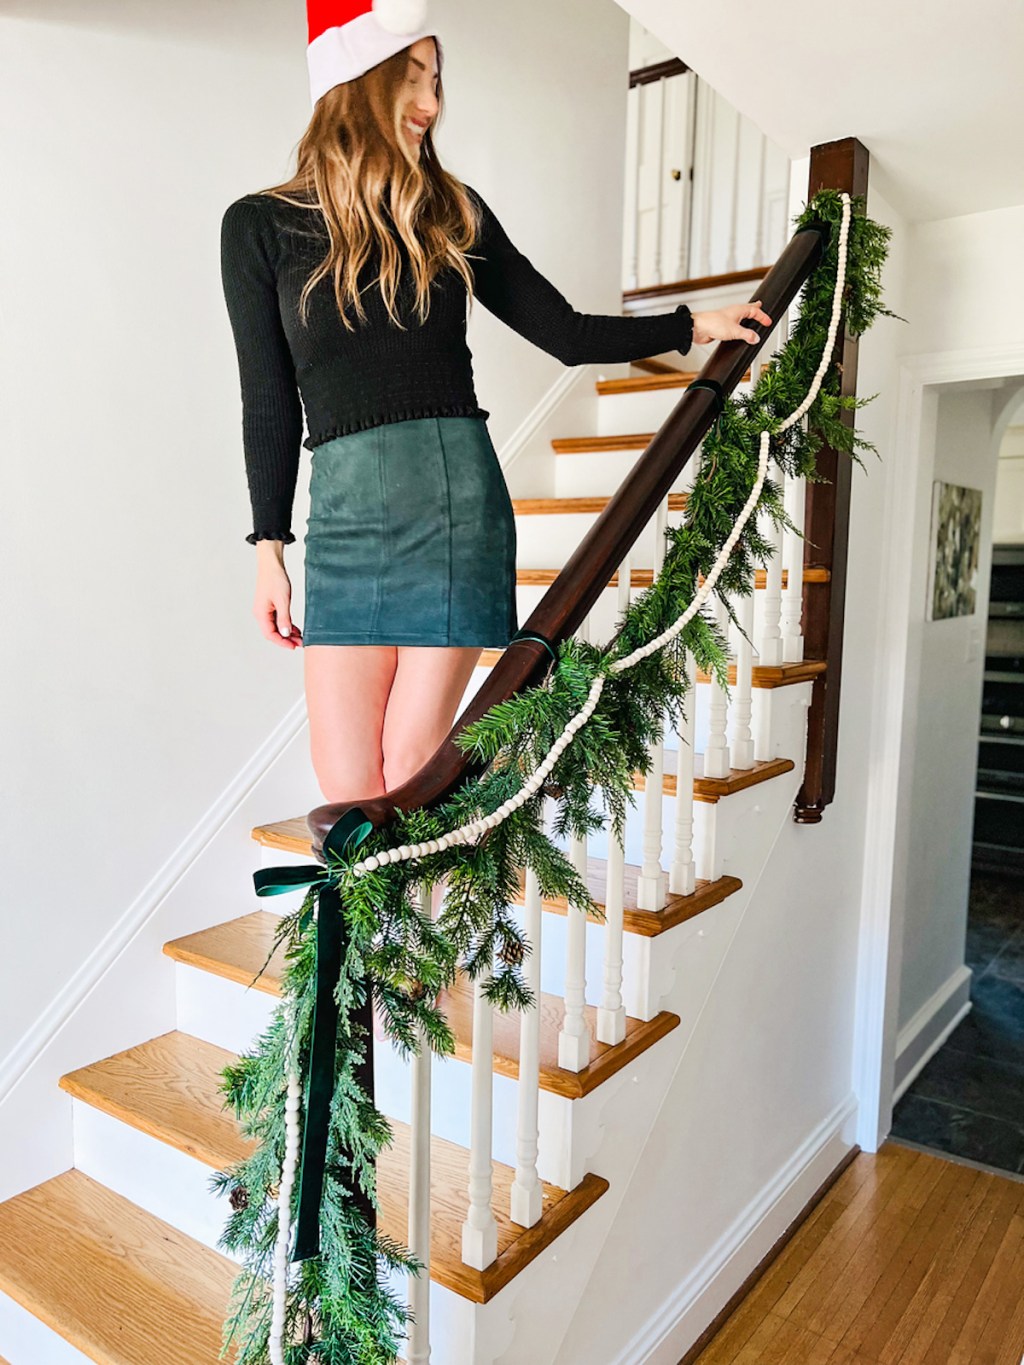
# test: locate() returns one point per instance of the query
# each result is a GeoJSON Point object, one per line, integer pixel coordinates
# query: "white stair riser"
{"type": "Point", "coordinates": [227, 1014]}
{"type": "Point", "coordinates": [645, 410]}
{"type": "Point", "coordinates": [546, 540]}
{"type": "Point", "coordinates": [175, 1187]}
{"type": "Point", "coordinates": [26, 1338]}
{"type": "Point", "coordinates": [600, 472]}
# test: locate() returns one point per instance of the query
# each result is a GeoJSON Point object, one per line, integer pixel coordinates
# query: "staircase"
{"type": "Point", "coordinates": [115, 1260]}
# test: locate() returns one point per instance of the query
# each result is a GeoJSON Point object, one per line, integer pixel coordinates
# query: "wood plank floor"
{"type": "Point", "coordinates": [908, 1259]}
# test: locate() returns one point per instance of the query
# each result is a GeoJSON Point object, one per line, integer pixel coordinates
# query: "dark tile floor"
{"type": "Point", "coordinates": [969, 1098]}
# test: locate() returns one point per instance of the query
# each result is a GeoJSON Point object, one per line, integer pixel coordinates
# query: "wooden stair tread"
{"type": "Point", "coordinates": [768, 675]}
{"type": "Point", "coordinates": [560, 506]}
{"type": "Point", "coordinates": [654, 291]}
{"type": "Point", "coordinates": [292, 836]}
{"type": "Point", "coordinates": [590, 445]}
{"type": "Point", "coordinates": [657, 379]}
{"type": "Point", "coordinates": [776, 675]}
{"type": "Point", "coordinates": [110, 1278]}
{"type": "Point", "coordinates": [647, 923]}
{"type": "Point", "coordinates": [238, 948]}
{"type": "Point", "coordinates": [652, 366]}
{"type": "Point", "coordinates": [169, 1087]}
{"type": "Point", "coordinates": [711, 789]}
{"type": "Point", "coordinates": [643, 578]}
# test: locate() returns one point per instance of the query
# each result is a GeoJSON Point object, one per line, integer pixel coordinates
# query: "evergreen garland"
{"type": "Point", "coordinates": [341, 1309]}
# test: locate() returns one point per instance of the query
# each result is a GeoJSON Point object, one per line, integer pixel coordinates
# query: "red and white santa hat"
{"type": "Point", "coordinates": [347, 37]}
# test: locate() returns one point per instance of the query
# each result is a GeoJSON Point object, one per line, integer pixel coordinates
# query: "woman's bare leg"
{"type": "Point", "coordinates": [347, 691]}
{"type": "Point", "coordinates": [425, 695]}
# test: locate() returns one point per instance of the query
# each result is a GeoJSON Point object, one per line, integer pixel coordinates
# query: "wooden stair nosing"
{"type": "Point", "coordinates": [237, 949]}
{"type": "Point", "coordinates": [655, 381]}
{"type": "Point", "coordinates": [169, 1088]}
{"type": "Point", "coordinates": [571, 506]}
{"type": "Point", "coordinates": [592, 445]}
{"type": "Point", "coordinates": [763, 675]}
{"type": "Point", "coordinates": [653, 366]}
{"type": "Point", "coordinates": [653, 291]}
{"type": "Point", "coordinates": [643, 578]}
{"type": "Point", "coordinates": [711, 789]}
{"type": "Point", "coordinates": [292, 836]}
{"type": "Point", "coordinates": [109, 1277]}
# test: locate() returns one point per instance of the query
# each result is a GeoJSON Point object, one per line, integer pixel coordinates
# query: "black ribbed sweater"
{"type": "Point", "coordinates": [348, 381]}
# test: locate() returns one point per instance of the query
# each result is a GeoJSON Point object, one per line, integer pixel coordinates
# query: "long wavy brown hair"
{"type": "Point", "coordinates": [352, 161]}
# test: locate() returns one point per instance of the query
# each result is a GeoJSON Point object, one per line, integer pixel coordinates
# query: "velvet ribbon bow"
{"type": "Point", "coordinates": [331, 941]}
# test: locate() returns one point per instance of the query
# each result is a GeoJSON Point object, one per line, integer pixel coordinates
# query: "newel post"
{"type": "Point", "coordinates": [840, 165]}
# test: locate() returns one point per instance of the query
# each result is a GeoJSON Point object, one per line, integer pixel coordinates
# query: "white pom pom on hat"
{"type": "Point", "coordinates": [400, 16]}
{"type": "Point", "coordinates": [347, 37]}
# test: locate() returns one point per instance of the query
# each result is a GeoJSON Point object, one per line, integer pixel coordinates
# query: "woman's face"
{"type": "Point", "coordinates": [418, 102]}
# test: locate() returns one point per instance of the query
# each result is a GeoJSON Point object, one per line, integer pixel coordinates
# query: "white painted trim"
{"type": "Point", "coordinates": [922, 1036]}
{"type": "Point", "coordinates": [702, 1294]}
{"type": "Point", "coordinates": [533, 422]}
{"type": "Point", "coordinates": [34, 1041]}
{"type": "Point", "coordinates": [880, 946]}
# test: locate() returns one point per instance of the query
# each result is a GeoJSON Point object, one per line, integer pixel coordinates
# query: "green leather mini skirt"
{"type": "Point", "coordinates": [411, 538]}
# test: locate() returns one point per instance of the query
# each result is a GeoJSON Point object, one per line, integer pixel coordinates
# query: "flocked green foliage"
{"type": "Point", "coordinates": [341, 1308]}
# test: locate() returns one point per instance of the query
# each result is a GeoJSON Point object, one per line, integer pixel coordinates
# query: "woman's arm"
{"type": "Point", "coordinates": [271, 406]}
{"type": "Point", "coordinates": [510, 286]}
{"type": "Point", "coordinates": [515, 291]}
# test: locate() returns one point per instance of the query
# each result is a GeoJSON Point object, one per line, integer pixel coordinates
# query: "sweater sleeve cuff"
{"type": "Point", "coordinates": [286, 536]}
{"type": "Point", "coordinates": [686, 323]}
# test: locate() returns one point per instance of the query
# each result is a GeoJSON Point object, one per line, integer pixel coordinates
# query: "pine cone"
{"type": "Point", "coordinates": [239, 1198]}
{"type": "Point", "coordinates": [512, 952]}
{"type": "Point", "coordinates": [553, 789]}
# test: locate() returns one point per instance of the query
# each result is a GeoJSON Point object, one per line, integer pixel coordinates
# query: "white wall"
{"type": "Point", "coordinates": [136, 685]}
{"type": "Point", "coordinates": [945, 661]}
{"type": "Point", "coordinates": [1008, 522]}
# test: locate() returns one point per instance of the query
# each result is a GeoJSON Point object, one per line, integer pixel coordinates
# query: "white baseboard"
{"type": "Point", "coordinates": [677, 1324]}
{"type": "Point", "coordinates": [922, 1036]}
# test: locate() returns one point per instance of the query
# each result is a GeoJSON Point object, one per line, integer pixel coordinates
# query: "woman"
{"type": "Point", "coordinates": [348, 285]}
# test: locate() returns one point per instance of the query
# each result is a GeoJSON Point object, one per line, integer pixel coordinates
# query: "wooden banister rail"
{"type": "Point", "coordinates": [578, 586]}
{"type": "Point", "coordinates": [841, 165]}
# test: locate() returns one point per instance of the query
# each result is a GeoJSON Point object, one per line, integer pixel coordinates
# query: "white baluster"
{"type": "Point", "coordinates": [791, 623]}
{"type": "Point", "coordinates": [741, 740]}
{"type": "Point", "coordinates": [480, 1231]}
{"type": "Point", "coordinates": [686, 197]}
{"type": "Point", "coordinates": [682, 879]}
{"type": "Point", "coordinates": [730, 260]}
{"type": "Point", "coordinates": [770, 644]}
{"type": "Point", "coordinates": [574, 1037]}
{"type": "Point", "coordinates": [611, 1014]}
{"type": "Point", "coordinates": [716, 756]}
{"type": "Point", "coordinates": [759, 248]}
{"type": "Point", "coordinates": [637, 97]}
{"type": "Point", "coordinates": [710, 102]}
{"type": "Point", "coordinates": [418, 1345]}
{"type": "Point", "coordinates": [652, 882]}
{"type": "Point", "coordinates": [527, 1197]}
{"type": "Point", "coordinates": [659, 203]}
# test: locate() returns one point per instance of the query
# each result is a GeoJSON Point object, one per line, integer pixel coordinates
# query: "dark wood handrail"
{"type": "Point", "coordinates": [566, 603]}
{"type": "Point", "coordinates": [840, 165]}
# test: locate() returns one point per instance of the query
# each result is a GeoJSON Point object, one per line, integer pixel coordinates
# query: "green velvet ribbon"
{"type": "Point", "coordinates": [331, 939]}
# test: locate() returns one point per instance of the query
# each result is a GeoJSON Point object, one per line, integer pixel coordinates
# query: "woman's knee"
{"type": "Point", "coordinates": [343, 778]}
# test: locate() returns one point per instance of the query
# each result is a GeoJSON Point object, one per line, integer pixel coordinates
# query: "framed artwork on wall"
{"type": "Point", "coordinates": [955, 543]}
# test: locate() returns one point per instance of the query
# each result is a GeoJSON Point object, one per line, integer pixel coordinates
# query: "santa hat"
{"type": "Point", "coordinates": [347, 37]}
